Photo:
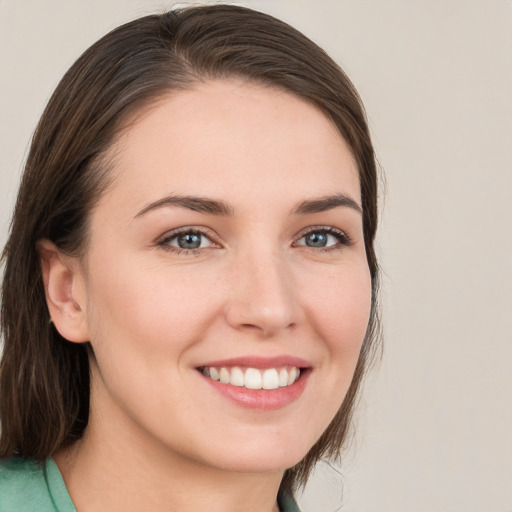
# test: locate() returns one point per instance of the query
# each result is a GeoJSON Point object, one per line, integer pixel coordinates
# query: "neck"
{"type": "Point", "coordinates": [101, 474]}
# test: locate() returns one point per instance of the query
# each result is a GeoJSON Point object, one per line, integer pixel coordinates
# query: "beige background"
{"type": "Point", "coordinates": [435, 424]}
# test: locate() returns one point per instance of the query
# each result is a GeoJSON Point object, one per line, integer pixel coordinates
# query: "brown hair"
{"type": "Point", "coordinates": [44, 380]}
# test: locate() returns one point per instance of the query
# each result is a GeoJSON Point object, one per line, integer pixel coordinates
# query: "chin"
{"type": "Point", "coordinates": [263, 457]}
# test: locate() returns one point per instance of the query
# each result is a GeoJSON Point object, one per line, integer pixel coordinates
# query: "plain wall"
{"type": "Point", "coordinates": [434, 425]}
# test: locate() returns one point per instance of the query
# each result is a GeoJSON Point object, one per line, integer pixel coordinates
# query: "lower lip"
{"type": "Point", "coordinates": [263, 399]}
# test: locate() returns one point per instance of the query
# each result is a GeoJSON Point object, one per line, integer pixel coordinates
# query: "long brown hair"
{"type": "Point", "coordinates": [44, 380]}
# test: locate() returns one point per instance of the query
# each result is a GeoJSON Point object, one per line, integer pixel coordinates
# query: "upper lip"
{"type": "Point", "coordinates": [259, 362]}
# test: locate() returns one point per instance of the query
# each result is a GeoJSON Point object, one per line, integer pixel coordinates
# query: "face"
{"type": "Point", "coordinates": [226, 289]}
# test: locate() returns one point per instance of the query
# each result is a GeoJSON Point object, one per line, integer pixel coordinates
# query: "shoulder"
{"type": "Point", "coordinates": [288, 504]}
{"type": "Point", "coordinates": [22, 485]}
{"type": "Point", "coordinates": [25, 486]}
{"type": "Point", "coordinates": [15, 467]}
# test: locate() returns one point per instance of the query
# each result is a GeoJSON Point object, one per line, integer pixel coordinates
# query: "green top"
{"type": "Point", "coordinates": [30, 486]}
{"type": "Point", "coordinates": [27, 485]}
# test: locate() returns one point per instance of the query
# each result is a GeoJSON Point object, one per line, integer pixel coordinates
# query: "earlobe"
{"type": "Point", "coordinates": [64, 290]}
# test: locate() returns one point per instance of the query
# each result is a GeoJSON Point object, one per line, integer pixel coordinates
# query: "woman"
{"type": "Point", "coordinates": [189, 300]}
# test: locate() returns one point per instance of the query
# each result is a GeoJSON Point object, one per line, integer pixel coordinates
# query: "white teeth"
{"type": "Point", "coordinates": [253, 378]}
{"type": "Point", "coordinates": [293, 375]}
{"type": "Point", "coordinates": [237, 377]}
{"type": "Point", "coordinates": [270, 379]}
{"type": "Point", "coordinates": [224, 376]}
{"type": "Point", "coordinates": [283, 378]}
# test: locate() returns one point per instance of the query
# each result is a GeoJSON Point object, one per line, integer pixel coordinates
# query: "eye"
{"type": "Point", "coordinates": [324, 238]}
{"type": "Point", "coordinates": [187, 240]}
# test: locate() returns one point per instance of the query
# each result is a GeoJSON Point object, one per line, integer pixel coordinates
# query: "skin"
{"type": "Point", "coordinates": [159, 436]}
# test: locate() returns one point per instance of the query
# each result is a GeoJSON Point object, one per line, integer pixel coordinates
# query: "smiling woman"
{"type": "Point", "coordinates": [196, 217]}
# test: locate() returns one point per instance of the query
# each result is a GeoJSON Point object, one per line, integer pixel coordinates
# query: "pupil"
{"type": "Point", "coordinates": [189, 241]}
{"type": "Point", "coordinates": [316, 240]}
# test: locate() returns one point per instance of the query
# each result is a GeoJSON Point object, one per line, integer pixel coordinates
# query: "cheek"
{"type": "Point", "coordinates": [339, 312]}
{"type": "Point", "coordinates": [148, 306]}
{"type": "Point", "coordinates": [145, 321]}
{"type": "Point", "coordinates": [345, 301]}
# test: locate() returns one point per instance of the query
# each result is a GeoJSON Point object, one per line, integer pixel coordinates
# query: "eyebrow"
{"type": "Point", "coordinates": [326, 203]}
{"type": "Point", "coordinates": [197, 204]}
{"type": "Point", "coordinates": [221, 208]}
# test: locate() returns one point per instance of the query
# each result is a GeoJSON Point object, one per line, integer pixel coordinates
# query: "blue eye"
{"type": "Point", "coordinates": [186, 240]}
{"type": "Point", "coordinates": [317, 239]}
{"type": "Point", "coordinates": [324, 239]}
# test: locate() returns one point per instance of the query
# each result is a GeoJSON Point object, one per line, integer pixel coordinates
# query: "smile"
{"type": "Point", "coordinates": [253, 378]}
{"type": "Point", "coordinates": [258, 383]}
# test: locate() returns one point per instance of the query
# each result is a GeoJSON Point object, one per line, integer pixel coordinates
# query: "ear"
{"type": "Point", "coordinates": [65, 292]}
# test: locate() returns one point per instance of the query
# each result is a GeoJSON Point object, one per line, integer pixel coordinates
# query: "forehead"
{"type": "Point", "coordinates": [233, 139]}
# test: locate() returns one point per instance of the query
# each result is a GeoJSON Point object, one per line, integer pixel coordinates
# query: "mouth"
{"type": "Point", "coordinates": [258, 383]}
{"type": "Point", "coordinates": [253, 378]}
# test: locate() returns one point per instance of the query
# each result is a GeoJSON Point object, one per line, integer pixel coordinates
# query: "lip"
{"type": "Point", "coordinates": [259, 399]}
{"type": "Point", "coordinates": [259, 362]}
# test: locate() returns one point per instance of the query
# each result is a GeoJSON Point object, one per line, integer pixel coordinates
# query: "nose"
{"type": "Point", "coordinates": [262, 295]}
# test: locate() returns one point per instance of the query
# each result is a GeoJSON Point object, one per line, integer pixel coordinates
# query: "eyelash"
{"type": "Point", "coordinates": [164, 243]}
{"type": "Point", "coordinates": [342, 238]}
